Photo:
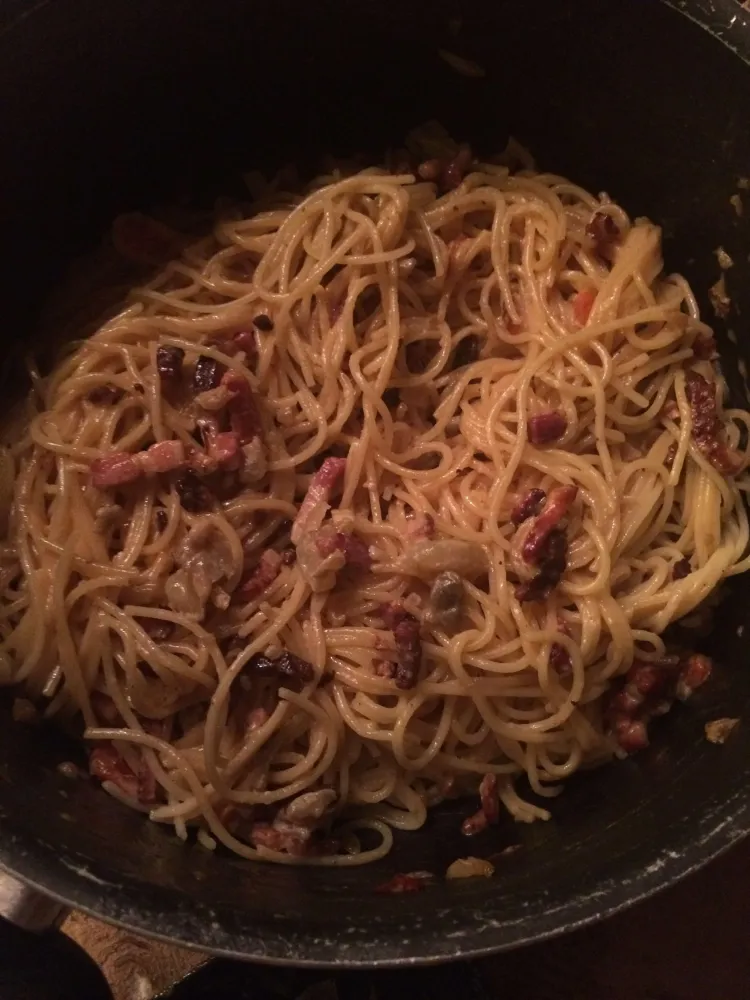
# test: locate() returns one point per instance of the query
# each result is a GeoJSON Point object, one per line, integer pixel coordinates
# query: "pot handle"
{"type": "Point", "coordinates": [38, 961]}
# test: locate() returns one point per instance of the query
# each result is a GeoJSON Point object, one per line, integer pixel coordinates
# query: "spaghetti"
{"type": "Point", "coordinates": [372, 496]}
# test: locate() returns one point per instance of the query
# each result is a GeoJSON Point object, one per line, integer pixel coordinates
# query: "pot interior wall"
{"type": "Point", "coordinates": [115, 106]}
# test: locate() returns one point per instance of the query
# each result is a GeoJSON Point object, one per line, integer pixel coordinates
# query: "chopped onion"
{"type": "Point", "coordinates": [470, 868]}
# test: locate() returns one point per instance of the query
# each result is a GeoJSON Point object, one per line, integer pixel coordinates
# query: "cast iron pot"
{"type": "Point", "coordinates": [117, 105]}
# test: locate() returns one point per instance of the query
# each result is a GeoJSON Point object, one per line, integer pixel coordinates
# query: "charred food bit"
{"type": "Point", "coordinates": [707, 427]}
{"type": "Point", "coordinates": [208, 373]}
{"type": "Point", "coordinates": [287, 668]}
{"type": "Point", "coordinates": [405, 628]}
{"type": "Point", "coordinates": [169, 363]}
{"type": "Point", "coordinates": [194, 496]}
{"type": "Point", "coordinates": [539, 549]}
{"type": "Point", "coordinates": [547, 427]}
{"type": "Point", "coordinates": [314, 507]}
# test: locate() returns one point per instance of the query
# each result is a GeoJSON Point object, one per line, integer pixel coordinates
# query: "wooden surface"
{"type": "Point", "coordinates": [689, 943]}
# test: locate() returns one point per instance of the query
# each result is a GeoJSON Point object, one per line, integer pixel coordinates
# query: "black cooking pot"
{"type": "Point", "coordinates": [117, 105]}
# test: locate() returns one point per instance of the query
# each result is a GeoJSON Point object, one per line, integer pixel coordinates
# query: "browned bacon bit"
{"type": "Point", "coordinates": [421, 526]}
{"type": "Point", "coordinates": [631, 734]}
{"type": "Point", "coordinates": [489, 798]}
{"type": "Point", "coordinates": [161, 519]}
{"type": "Point", "coordinates": [244, 416]}
{"type": "Point", "coordinates": [413, 882]}
{"type": "Point", "coordinates": [208, 373]}
{"type": "Point", "coordinates": [115, 470]}
{"type": "Point", "coordinates": [224, 449]}
{"type": "Point", "coordinates": [707, 427]}
{"type": "Point", "coordinates": [165, 456]}
{"type": "Point", "coordinates": [704, 347]}
{"type": "Point", "coordinates": [263, 323]}
{"type": "Point", "coordinates": [356, 551]}
{"type": "Point", "coordinates": [194, 496]}
{"type": "Point", "coordinates": [107, 764]}
{"type": "Point", "coordinates": [694, 672]}
{"type": "Point", "coordinates": [681, 569]}
{"type": "Point", "coordinates": [555, 508]}
{"type": "Point", "coordinates": [405, 628]}
{"type": "Point", "coordinates": [169, 363]}
{"type": "Point", "coordinates": [244, 340]}
{"type": "Point", "coordinates": [539, 542]}
{"type": "Point", "coordinates": [105, 394]}
{"type": "Point", "coordinates": [287, 668]}
{"type": "Point", "coordinates": [552, 560]}
{"type": "Point", "coordinates": [120, 467]}
{"type": "Point", "coordinates": [489, 813]}
{"type": "Point", "coordinates": [559, 657]}
{"type": "Point", "coordinates": [314, 507]}
{"type": "Point", "coordinates": [474, 824]}
{"type": "Point", "coordinates": [648, 690]}
{"type": "Point", "coordinates": [603, 232]}
{"type": "Point", "coordinates": [261, 578]}
{"type": "Point", "coordinates": [286, 842]}
{"type": "Point", "coordinates": [547, 427]}
{"type": "Point", "coordinates": [528, 506]}
{"type": "Point", "coordinates": [293, 669]}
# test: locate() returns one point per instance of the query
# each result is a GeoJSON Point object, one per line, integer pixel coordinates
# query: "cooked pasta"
{"type": "Point", "coordinates": [372, 496]}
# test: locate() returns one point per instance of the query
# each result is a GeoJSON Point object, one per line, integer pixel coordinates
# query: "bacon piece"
{"type": "Point", "coordinates": [244, 416]}
{"type": "Point", "coordinates": [559, 657]}
{"type": "Point", "coordinates": [194, 496]}
{"type": "Point", "coordinates": [169, 363]}
{"type": "Point", "coordinates": [115, 469]}
{"type": "Point", "coordinates": [555, 508]}
{"type": "Point", "coordinates": [583, 303]}
{"type": "Point", "coordinates": [649, 690]}
{"type": "Point", "coordinates": [285, 841]}
{"type": "Point", "coordinates": [631, 734]}
{"type": "Point", "coordinates": [421, 526]}
{"type": "Point", "coordinates": [603, 232]}
{"type": "Point", "coordinates": [224, 449]}
{"type": "Point", "coordinates": [404, 883]}
{"type": "Point", "coordinates": [143, 240]}
{"type": "Point", "coordinates": [287, 668]}
{"type": "Point", "coordinates": [694, 672]}
{"type": "Point", "coordinates": [106, 764]}
{"type": "Point", "coordinates": [704, 347]}
{"type": "Point", "coordinates": [405, 628]}
{"type": "Point", "coordinates": [489, 798]}
{"type": "Point", "coordinates": [314, 507]}
{"type": "Point", "coordinates": [528, 506]}
{"type": "Point", "coordinates": [474, 824]}
{"type": "Point", "coordinates": [261, 578]}
{"type": "Point", "coordinates": [547, 427]}
{"type": "Point", "coordinates": [208, 373]}
{"type": "Point", "coordinates": [707, 427]}
{"type": "Point", "coordinates": [165, 456]}
{"type": "Point", "coordinates": [454, 170]}
{"type": "Point", "coordinates": [355, 550]}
